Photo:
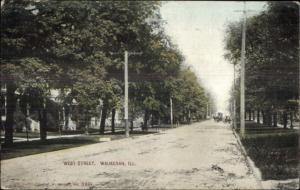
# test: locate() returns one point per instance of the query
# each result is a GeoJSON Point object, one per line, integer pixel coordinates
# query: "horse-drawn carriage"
{"type": "Point", "coordinates": [219, 117]}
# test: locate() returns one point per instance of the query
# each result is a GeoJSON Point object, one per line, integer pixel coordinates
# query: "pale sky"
{"type": "Point", "coordinates": [198, 29]}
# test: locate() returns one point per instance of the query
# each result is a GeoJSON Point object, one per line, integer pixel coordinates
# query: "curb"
{"type": "Point", "coordinates": [249, 162]}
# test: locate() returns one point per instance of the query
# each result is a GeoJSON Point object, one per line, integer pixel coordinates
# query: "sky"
{"type": "Point", "coordinates": [198, 29]}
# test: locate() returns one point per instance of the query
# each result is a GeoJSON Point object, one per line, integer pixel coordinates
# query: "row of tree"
{"type": "Point", "coordinates": [77, 47]}
{"type": "Point", "coordinates": [272, 66]}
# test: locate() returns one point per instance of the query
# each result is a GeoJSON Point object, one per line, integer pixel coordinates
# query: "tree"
{"type": "Point", "coordinates": [271, 51]}
{"type": "Point", "coordinates": [68, 47]}
{"type": "Point", "coordinates": [52, 41]}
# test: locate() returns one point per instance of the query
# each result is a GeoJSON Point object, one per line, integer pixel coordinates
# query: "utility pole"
{"type": "Point", "coordinates": [59, 125]}
{"type": "Point", "coordinates": [63, 118]}
{"type": "Point", "coordinates": [171, 111]}
{"type": "Point", "coordinates": [207, 105]}
{"type": "Point", "coordinates": [126, 55]}
{"type": "Point", "coordinates": [126, 93]}
{"type": "Point", "coordinates": [234, 101]}
{"type": "Point", "coordinates": [27, 120]}
{"type": "Point", "coordinates": [207, 113]}
{"type": "Point", "coordinates": [243, 60]}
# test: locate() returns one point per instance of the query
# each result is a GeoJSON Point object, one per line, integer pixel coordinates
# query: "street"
{"type": "Point", "coordinates": [105, 95]}
{"type": "Point", "coordinates": [202, 155]}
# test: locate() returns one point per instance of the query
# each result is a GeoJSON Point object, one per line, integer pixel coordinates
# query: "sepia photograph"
{"type": "Point", "coordinates": [132, 94]}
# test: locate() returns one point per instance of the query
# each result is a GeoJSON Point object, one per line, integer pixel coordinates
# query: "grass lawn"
{"type": "Point", "coordinates": [34, 147]}
{"type": "Point", "coordinates": [274, 151]}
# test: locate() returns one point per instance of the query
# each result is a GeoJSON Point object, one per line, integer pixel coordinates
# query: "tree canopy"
{"type": "Point", "coordinates": [77, 47]}
{"type": "Point", "coordinates": [272, 78]}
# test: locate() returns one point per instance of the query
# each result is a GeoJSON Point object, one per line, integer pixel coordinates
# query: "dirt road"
{"type": "Point", "coordinates": [199, 156]}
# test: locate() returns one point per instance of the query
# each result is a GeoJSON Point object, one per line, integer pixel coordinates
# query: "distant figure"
{"type": "Point", "coordinates": [227, 119]}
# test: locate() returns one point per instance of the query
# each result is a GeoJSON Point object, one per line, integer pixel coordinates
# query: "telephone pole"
{"type": "Point", "coordinates": [27, 120]}
{"type": "Point", "coordinates": [207, 112]}
{"type": "Point", "coordinates": [234, 101]}
{"type": "Point", "coordinates": [126, 55]}
{"type": "Point", "coordinates": [243, 60]}
{"type": "Point", "coordinates": [171, 112]}
{"type": "Point", "coordinates": [126, 93]}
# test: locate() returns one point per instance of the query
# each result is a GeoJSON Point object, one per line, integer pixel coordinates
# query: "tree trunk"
{"type": "Point", "coordinates": [1, 113]}
{"type": "Point", "coordinates": [159, 121]}
{"type": "Point", "coordinates": [43, 124]}
{"type": "Point", "coordinates": [269, 118]}
{"type": "Point", "coordinates": [250, 116]}
{"type": "Point", "coordinates": [291, 119]}
{"type": "Point", "coordinates": [103, 117]}
{"type": "Point", "coordinates": [113, 113]}
{"type": "Point", "coordinates": [1, 123]}
{"type": "Point", "coordinates": [258, 116]}
{"type": "Point", "coordinates": [275, 119]}
{"type": "Point", "coordinates": [131, 125]}
{"type": "Point", "coordinates": [146, 116]}
{"type": "Point", "coordinates": [285, 120]}
{"type": "Point", "coordinates": [151, 119]}
{"type": "Point", "coordinates": [87, 124]}
{"type": "Point", "coordinates": [10, 109]}
{"type": "Point", "coordinates": [264, 117]}
{"type": "Point", "coordinates": [67, 115]}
